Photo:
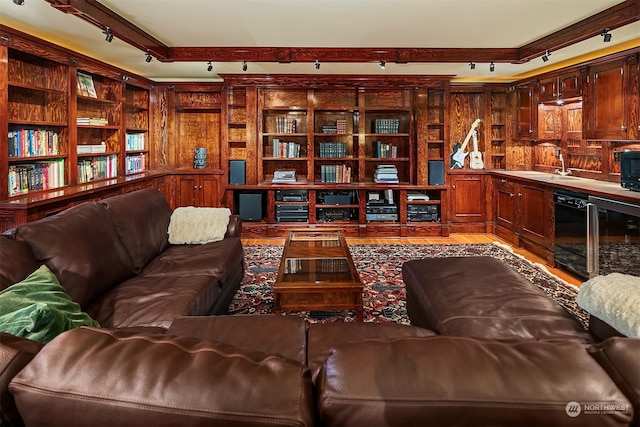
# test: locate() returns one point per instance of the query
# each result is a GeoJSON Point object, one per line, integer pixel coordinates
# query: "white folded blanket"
{"type": "Point", "coordinates": [614, 299]}
{"type": "Point", "coordinates": [191, 225]}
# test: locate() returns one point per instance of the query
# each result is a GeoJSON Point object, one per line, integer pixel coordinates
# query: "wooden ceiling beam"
{"type": "Point", "coordinates": [342, 54]}
{"type": "Point", "coordinates": [102, 17]}
{"type": "Point", "coordinates": [617, 16]}
{"type": "Point", "coordinates": [97, 14]}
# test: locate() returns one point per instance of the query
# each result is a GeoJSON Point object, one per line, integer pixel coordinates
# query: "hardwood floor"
{"type": "Point", "coordinates": [452, 239]}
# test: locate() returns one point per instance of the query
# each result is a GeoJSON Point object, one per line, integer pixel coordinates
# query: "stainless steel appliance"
{"type": "Point", "coordinates": [630, 170]}
{"type": "Point", "coordinates": [570, 249]}
{"type": "Point", "coordinates": [615, 246]}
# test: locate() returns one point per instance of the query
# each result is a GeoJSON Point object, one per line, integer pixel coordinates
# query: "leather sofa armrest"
{"type": "Point", "coordinates": [235, 226]}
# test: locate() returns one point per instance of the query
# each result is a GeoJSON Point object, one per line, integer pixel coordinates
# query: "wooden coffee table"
{"type": "Point", "coordinates": [316, 273]}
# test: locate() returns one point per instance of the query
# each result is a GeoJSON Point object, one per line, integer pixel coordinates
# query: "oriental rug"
{"type": "Point", "coordinates": [380, 269]}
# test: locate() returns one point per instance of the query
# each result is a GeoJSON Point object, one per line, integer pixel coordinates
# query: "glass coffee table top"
{"type": "Point", "coordinates": [317, 270]}
{"type": "Point", "coordinates": [320, 239]}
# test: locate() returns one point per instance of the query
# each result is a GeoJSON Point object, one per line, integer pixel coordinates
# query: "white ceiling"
{"type": "Point", "coordinates": [327, 23]}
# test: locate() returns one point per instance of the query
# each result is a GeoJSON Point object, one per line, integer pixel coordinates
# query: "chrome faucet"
{"type": "Point", "coordinates": [563, 171]}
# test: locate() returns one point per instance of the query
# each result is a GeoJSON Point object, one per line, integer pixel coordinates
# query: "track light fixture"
{"type": "Point", "coordinates": [317, 64]}
{"type": "Point", "coordinates": [244, 66]}
{"type": "Point", "coordinates": [472, 65]}
{"type": "Point", "coordinates": [545, 56]}
{"type": "Point", "coordinates": [107, 35]}
{"type": "Point", "coordinates": [492, 67]}
{"type": "Point", "coordinates": [383, 64]}
{"type": "Point", "coordinates": [209, 66]}
{"type": "Point", "coordinates": [18, 2]}
{"type": "Point", "coordinates": [606, 36]}
{"type": "Point", "coordinates": [149, 58]}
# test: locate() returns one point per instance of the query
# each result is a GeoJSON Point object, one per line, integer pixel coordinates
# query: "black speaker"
{"type": "Point", "coordinates": [237, 172]}
{"type": "Point", "coordinates": [436, 172]}
{"type": "Point", "coordinates": [250, 206]}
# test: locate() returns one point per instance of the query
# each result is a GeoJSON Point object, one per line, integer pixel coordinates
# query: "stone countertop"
{"type": "Point", "coordinates": [594, 187]}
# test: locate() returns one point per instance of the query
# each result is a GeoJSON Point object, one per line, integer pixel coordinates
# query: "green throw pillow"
{"type": "Point", "coordinates": [38, 308]}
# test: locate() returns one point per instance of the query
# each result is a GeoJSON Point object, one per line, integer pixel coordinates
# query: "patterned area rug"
{"type": "Point", "coordinates": [380, 269]}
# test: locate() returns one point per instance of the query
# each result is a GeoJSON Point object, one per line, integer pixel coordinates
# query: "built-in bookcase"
{"type": "Point", "coordinates": [496, 139]}
{"type": "Point", "coordinates": [66, 125]}
{"type": "Point", "coordinates": [98, 125]}
{"type": "Point", "coordinates": [355, 155]}
{"type": "Point", "coordinates": [388, 133]}
{"type": "Point", "coordinates": [283, 134]}
{"type": "Point", "coordinates": [136, 107]}
{"type": "Point", "coordinates": [37, 122]}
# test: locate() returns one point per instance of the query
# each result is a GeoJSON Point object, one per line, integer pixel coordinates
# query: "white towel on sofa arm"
{"type": "Point", "coordinates": [614, 299]}
{"type": "Point", "coordinates": [191, 225]}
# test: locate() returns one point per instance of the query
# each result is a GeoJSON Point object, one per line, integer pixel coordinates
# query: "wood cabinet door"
{"type": "Point", "coordinates": [198, 190]}
{"type": "Point", "coordinates": [607, 102]}
{"type": "Point", "coordinates": [187, 189]}
{"type": "Point", "coordinates": [525, 128]}
{"type": "Point", "coordinates": [549, 89]}
{"type": "Point", "coordinates": [534, 213]}
{"type": "Point", "coordinates": [569, 85]}
{"type": "Point", "coordinates": [467, 198]}
{"type": "Point", "coordinates": [504, 197]}
{"type": "Point", "coordinates": [549, 121]}
{"type": "Point", "coordinates": [208, 187]}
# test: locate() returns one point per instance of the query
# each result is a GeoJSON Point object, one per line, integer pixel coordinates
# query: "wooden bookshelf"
{"type": "Point", "coordinates": [334, 139]}
{"type": "Point", "coordinates": [36, 152]}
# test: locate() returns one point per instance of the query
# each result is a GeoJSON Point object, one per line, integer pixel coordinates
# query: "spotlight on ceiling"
{"type": "Point", "coordinates": [383, 64]}
{"type": "Point", "coordinates": [209, 66]}
{"type": "Point", "coordinates": [492, 67]}
{"type": "Point", "coordinates": [244, 66]}
{"type": "Point", "coordinates": [472, 65]}
{"type": "Point", "coordinates": [107, 35]}
{"type": "Point", "coordinates": [606, 36]}
{"type": "Point", "coordinates": [18, 2]}
{"type": "Point", "coordinates": [546, 56]}
{"type": "Point", "coordinates": [149, 58]}
{"type": "Point", "coordinates": [317, 64]}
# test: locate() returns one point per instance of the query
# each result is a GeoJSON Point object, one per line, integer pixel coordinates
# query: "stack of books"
{"type": "Point", "coordinates": [91, 148]}
{"type": "Point", "coordinates": [92, 121]}
{"type": "Point", "coordinates": [340, 127]}
{"type": "Point", "coordinates": [386, 174]}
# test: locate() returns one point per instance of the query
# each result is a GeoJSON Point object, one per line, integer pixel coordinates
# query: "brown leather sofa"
{"type": "Point", "coordinates": [277, 370]}
{"type": "Point", "coordinates": [113, 258]}
{"type": "Point", "coordinates": [265, 370]}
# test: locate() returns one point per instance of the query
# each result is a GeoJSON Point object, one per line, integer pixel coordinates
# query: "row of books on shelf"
{"type": "Point", "coordinates": [386, 174]}
{"type": "Point", "coordinates": [340, 127]}
{"type": "Point", "coordinates": [92, 121]}
{"type": "Point", "coordinates": [285, 149]}
{"type": "Point", "coordinates": [386, 150]}
{"type": "Point", "coordinates": [35, 176]}
{"type": "Point", "coordinates": [335, 173]}
{"type": "Point", "coordinates": [33, 142]}
{"type": "Point", "coordinates": [387, 125]}
{"type": "Point", "coordinates": [135, 141]}
{"type": "Point", "coordinates": [285, 125]}
{"type": "Point", "coordinates": [135, 164]}
{"type": "Point", "coordinates": [100, 167]}
{"type": "Point", "coordinates": [333, 149]}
